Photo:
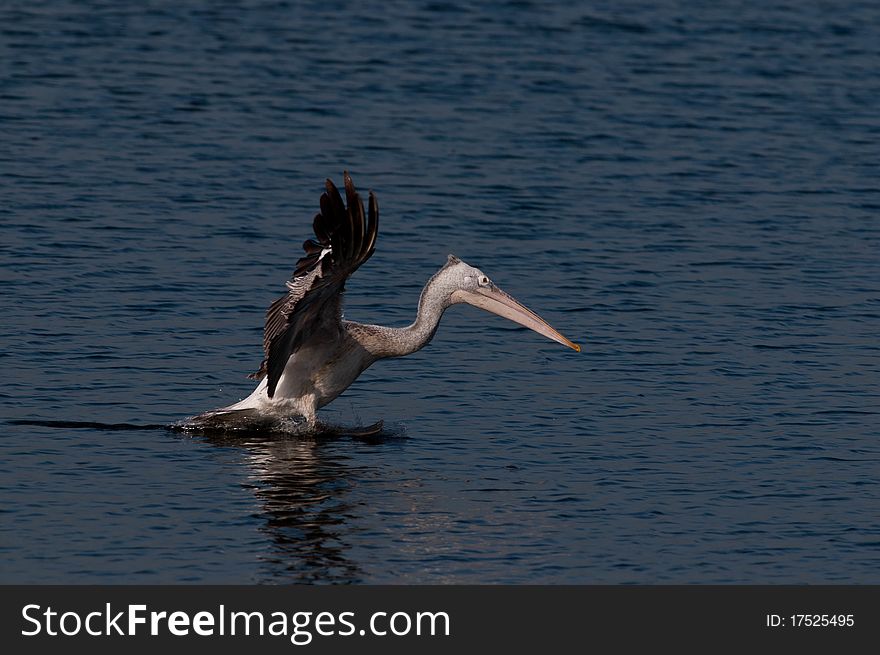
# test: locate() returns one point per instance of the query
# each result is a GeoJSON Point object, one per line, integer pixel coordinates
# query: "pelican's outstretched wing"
{"type": "Point", "coordinates": [344, 239]}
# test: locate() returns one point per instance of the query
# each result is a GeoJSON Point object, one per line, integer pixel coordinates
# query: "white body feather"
{"type": "Point", "coordinates": [314, 376]}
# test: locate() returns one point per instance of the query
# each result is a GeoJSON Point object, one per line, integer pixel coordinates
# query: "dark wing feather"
{"type": "Point", "coordinates": [313, 300]}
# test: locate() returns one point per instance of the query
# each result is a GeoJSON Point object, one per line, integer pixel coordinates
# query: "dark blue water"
{"type": "Point", "coordinates": [691, 192]}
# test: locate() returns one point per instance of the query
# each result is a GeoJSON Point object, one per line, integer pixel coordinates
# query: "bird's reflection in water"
{"type": "Point", "coordinates": [302, 484]}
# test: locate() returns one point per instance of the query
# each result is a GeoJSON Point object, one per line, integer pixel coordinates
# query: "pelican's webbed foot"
{"type": "Point", "coordinates": [330, 430]}
{"type": "Point", "coordinates": [251, 421]}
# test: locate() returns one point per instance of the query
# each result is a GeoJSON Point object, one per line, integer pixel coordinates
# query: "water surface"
{"type": "Point", "coordinates": [689, 192]}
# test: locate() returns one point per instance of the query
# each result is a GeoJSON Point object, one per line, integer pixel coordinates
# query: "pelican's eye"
{"type": "Point", "coordinates": [484, 281]}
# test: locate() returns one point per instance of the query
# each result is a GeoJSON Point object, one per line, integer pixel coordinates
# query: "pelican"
{"type": "Point", "coordinates": [312, 354]}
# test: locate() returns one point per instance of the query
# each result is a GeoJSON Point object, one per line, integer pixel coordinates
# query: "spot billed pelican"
{"type": "Point", "coordinates": [312, 354]}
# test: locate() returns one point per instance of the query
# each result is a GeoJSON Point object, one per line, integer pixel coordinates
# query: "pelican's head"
{"type": "Point", "coordinates": [470, 285]}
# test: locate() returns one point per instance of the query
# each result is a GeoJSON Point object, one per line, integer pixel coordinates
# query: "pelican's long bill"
{"type": "Point", "coordinates": [494, 300]}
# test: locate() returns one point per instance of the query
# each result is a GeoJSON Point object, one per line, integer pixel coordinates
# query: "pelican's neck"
{"type": "Point", "coordinates": [432, 303]}
{"type": "Point", "coordinates": [397, 342]}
